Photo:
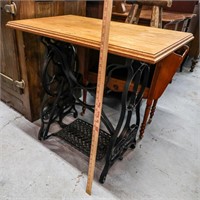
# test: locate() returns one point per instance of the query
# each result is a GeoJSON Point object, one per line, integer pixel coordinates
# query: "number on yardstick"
{"type": "Point", "coordinates": [100, 89]}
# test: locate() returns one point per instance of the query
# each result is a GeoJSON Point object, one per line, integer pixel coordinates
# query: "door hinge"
{"type": "Point", "coordinates": [11, 8]}
{"type": "Point", "coordinates": [20, 84]}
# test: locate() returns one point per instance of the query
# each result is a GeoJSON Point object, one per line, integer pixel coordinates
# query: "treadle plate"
{"type": "Point", "coordinates": [79, 135]}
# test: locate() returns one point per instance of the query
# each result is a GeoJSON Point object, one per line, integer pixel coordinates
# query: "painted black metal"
{"type": "Point", "coordinates": [79, 135]}
{"type": "Point", "coordinates": [62, 84]}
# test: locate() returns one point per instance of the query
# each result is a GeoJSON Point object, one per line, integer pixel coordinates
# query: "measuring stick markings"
{"type": "Point", "coordinates": [99, 91]}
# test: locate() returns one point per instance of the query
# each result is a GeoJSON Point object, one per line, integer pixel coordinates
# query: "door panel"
{"type": "Point", "coordinates": [10, 71]}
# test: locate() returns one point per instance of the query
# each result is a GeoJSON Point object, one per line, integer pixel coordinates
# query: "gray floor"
{"type": "Point", "coordinates": [164, 166]}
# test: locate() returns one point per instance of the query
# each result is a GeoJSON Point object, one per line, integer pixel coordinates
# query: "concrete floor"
{"type": "Point", "coordinates": [164, 166]}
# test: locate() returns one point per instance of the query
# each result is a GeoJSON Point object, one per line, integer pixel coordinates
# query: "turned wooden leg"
{"type": "Point", "coordinates": [152, 111]}
{"type": "Point", "coordinates": [146, 114]}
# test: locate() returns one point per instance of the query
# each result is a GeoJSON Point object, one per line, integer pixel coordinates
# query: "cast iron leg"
{"type": "Point", "coordinates": [57, 75]}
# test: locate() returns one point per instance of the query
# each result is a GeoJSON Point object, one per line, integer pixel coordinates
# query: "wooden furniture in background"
{"type": "Point", "coordinates": [145, 17]}
{"type": "Point", "coordinates": [94, 9]}
{"type": "Point", "coordinates": [194, 46]}
{"type": "Point", "coordinates": [189, 7]}
{"type": "Point", "coordinates": [156, 11]}
{"type": "Point", "coordinates": [22, 55]}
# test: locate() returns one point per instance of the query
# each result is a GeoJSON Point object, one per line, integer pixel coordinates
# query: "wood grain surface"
{"type": "Point", "coordinates": [133, 41]}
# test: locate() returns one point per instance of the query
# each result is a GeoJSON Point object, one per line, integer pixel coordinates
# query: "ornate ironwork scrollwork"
{"type": "Point", "coordinates": [61, 59]}
{"type": "Point", "coordinates": [63, 86]}
{"type": "Point", "coordinates": [124, 134]}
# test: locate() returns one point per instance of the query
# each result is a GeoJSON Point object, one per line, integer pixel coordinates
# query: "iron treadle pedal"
{"type": "Point", "coordinates": [79, 135]}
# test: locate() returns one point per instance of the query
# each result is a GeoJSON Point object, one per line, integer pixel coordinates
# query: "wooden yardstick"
{"type": "Point", "coordinates": [107, 10]}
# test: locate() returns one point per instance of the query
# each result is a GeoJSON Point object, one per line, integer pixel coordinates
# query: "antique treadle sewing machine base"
{"type": "Point", "coordinates": [62, 84]}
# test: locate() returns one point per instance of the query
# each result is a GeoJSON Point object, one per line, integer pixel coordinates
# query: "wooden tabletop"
{"type": "Point", "coordinates": [128, 40]}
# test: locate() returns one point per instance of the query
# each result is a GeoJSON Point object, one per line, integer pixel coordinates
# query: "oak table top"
{"type": "Point", "coordinates": [132, 41]}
